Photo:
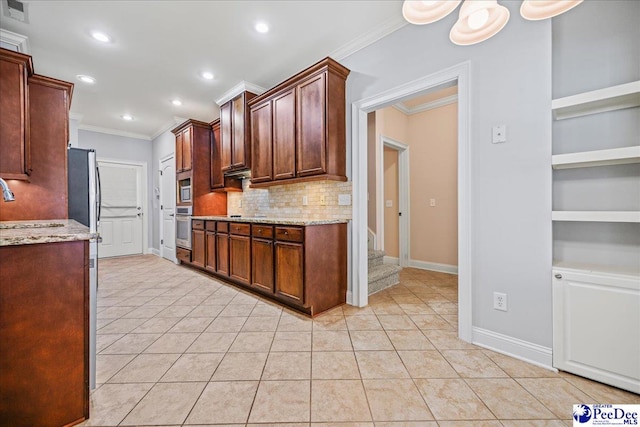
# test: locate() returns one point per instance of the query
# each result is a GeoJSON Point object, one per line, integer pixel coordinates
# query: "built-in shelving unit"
{"type": "Point", "coordinates": [597, 101]}
{"type": "Point", "coordinates": [596, 216]}
{"type": "Point", "coordinates": [615, 156]}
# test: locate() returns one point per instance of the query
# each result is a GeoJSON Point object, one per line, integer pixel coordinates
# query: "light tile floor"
{"type": "Point", "coordinates": [177, 347]}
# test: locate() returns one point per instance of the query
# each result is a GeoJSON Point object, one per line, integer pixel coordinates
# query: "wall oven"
{"type": "Point", "coordinates": [183, 226]}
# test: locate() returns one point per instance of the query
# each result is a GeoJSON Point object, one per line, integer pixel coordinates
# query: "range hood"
{"type": "Point", "coordinates": [241, 174]}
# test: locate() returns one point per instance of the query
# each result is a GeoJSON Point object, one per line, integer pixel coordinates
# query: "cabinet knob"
{"type": "Point", "coordinates": [558, 276]}
{"type": "Point", "coordinates": [286, 232]}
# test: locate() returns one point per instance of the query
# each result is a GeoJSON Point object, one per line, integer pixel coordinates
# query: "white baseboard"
{"type": "Point", "coordinates": [154, 251]}
{"type": "Point", "coordinates": [391, 260]}
{"type": "Point", "coordinates": [433, 266]}
{"type": "Point", "coordinates": [349, 298]}
{"type": "Point", "coordinates": [514, 347]}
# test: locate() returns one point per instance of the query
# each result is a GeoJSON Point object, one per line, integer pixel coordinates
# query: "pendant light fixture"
{"type": "Point", "coordinates": [543, 9]}
{"type": "Point", "coordinates": [478, 20]}
{"type": "Point", "coordinates": [427, 11]}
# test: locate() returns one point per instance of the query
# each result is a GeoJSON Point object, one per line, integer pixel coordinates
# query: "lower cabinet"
{"type": "Point", "coordinates": [304, 267]}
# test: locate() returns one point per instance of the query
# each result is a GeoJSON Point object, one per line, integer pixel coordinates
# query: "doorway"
{"type": "Point", "coordinates": [359, 288]}
{"type": "Point", "coordinates": [168, 208]}
{"type": "Point", "coordinates": [122, 220]}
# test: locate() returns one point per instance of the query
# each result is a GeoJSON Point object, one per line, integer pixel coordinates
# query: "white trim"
{"type": "Point", "coordinates": [145, 197]}
{"type": "Point", "coordinates": [391, 260]}
{"type": "Point", "coordinates": [368, 38]}
{"type": "Point", "coordinates": [434, 266]}
{"type": "Point", "coordinates": [243, 86]}
{"type": "Point", "coordinates": [350, 298]}
{"type": "Point", "coordinates": [116, 132]}
{"type": "Point", "coordinates": [514, 347]}
{"type": "Point", "coordinates": [76, 116]}
{"type": "Point", "coordinates": [168, 126]}
{"type": "Point", "coordinates": [447, 100]}
{"type": "Point", "coordinates": [20, 42]}
{"type": "Point", "coordinates": [153, 251]}
{"type": "Point", "coordinates": [359, 109]}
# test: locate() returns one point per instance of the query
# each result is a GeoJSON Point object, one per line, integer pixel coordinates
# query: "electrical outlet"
{"type": "Point", "coordinates": [500, 301]}
{"type": "Point", "coordinates": [305, 200]}
{"type": "Point", "coordinates": [432, 202]}
{"type": "Point", "coordinates": [323, 200]}
{"type": "Point", "coordinates": [240, 203]}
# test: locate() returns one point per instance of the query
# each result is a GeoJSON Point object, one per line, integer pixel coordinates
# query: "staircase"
{"type": "Point", "coordinates": [381, 275]}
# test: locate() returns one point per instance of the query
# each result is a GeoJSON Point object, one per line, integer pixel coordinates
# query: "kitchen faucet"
{"type": "Point", "coordinates": [6, 191]}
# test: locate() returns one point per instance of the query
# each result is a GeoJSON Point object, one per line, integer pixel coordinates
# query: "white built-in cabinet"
{"type": "Point", "coordinates": [596, 305]}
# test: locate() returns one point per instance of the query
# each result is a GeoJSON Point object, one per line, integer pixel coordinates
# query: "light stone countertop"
{"type": "Point", "coordinates": [271, 220]}
{"type": "Point", "coordinates": [14, 233]}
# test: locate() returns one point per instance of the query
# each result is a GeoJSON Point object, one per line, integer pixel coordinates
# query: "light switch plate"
{"type": "Point", "coordinates": [388, 203]}
{"type": "Point", "coordinates": [499, 134]}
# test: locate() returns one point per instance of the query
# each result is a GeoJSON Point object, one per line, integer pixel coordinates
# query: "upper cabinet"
{"type": "Point", "coordinates": [184, 145]}
{"type": "Point", "coordinates": [298, 128]}
{"type": "Point", "coordinates": [15, 154]}
{"type": "Point", "coordinates": [219, 182]}
{"type": "Point", "coordinates": [235, 143]}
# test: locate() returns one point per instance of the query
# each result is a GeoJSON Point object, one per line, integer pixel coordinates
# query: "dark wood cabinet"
{"type": "Point", "coordinates": [240, 252]}
{"type": "Point", "coordinates": [184, 145]}
{"type": "Point", "coordinates": [222, 248]}
{"type": "Point", "coordinates": [198, 243]}
{"type": "Point", "coordinates": [44, 334]}
{"type": "Point", "coordinates": [235, 133]}
{"type": "Point", "coordinates": [220, 182]}
{"type": "Point", "coordinates": [15, 69]}
{"type": "Point", "coordinates": [289, 262]}
{"type": "Point", "coordinates": [308, 126]}
{"type": "Point", "coordinates": [210, 242]}
{"type": "Point", "coordinates": [261, 135]}
{"type": "Point", "coordinates": [183, 255]}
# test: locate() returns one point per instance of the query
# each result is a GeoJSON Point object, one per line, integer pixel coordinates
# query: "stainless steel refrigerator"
{"type": "Point", "coordinates": [84, 207]}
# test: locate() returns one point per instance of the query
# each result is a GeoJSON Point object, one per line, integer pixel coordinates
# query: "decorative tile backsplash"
{"type": "Point", "coordinates": [286, 201]}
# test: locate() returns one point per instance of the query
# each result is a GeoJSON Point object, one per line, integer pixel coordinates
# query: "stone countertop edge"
{"type": "Point", "coordinates": [15, 233]}
{"type": "Point", "coordinates": [276, 221]}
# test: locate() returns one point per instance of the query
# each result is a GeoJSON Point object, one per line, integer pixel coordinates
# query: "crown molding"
{"type": "Point", "coordinates": [243, 86]}
{"type": "Point", "coordinates": [20, 42]}
{"type": "Point", "coordinates": [368, 38]}
{"type": "Point", "coordinates": [76, 116]}
{"type": "Point", "coordinates": [168, 126]}
{"type": "Point", "coordinates": [427, 106]}
{"type": "Point", "coordinates": [115, 132]}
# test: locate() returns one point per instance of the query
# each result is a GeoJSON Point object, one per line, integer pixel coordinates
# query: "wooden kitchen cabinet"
{"type": "Point", "coordinates": [235, 133]}
{"type": "Point", "coordinates": [262, 257]}
{"type": "Point", "coordinates": [219, 182]}
{"type": "Point", "coordinates": [308, 127]}
{"type": "Point", "coordinates": [240, 252]}
{"type": "Point", "coordinates": [289, 262]}
{"type": "Point", "coordinates": [222, 248]}
{"type": "Point", "coordinates": [210, 241]}
{"type": "Point", "coordinates": [261, 138]}
{"type": "Point", "coordinates": [184, 144]}
{"type": "Point", "coordinates": [15, 160]}
{"type": "Point", "coordinates": [198, 243]}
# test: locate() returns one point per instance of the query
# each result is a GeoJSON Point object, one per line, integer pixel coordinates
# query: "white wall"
{"type": "Point", "coordinates": [114, 147]}
{"type": "Point", "coordinates": [510, 84]}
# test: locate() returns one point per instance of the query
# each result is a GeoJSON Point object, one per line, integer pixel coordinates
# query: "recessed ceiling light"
{"type": "Point", "coordinates": [100, 36]}
{"type": "Point", "coordinates": [262, 27]}
{"type": "Point", "coordinates": [86, 79]}
{"type": "Point", "coordinates": [176, 102]}
{"type": "Point", "coordinates": [207, 75]}
{"type": "Point", "coordinates": [127, 117]}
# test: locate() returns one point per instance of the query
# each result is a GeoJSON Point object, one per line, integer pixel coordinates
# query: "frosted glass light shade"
{"type": "Point", "coordinates": [535, 10]}
{"type": "Point", "coordinates": [475, 25]}
{"type": "Point", "coordinates": [426, 12]}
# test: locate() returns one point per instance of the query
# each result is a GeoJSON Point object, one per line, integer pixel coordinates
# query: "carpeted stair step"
{"type": "Point", "coordinates": [382, 276]}
{"type": "Point", "coordinates": [375, 258]}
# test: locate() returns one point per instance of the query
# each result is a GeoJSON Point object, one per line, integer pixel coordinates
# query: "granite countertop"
{"type": "Point", "coordinates": [271, 220]}
{"type": "Point", "coordinates": [14, 233]}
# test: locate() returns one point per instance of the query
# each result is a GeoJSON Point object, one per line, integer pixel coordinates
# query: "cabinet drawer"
{"type": "Point", "coordinates": [222, 227]}
{"type": "Point", "coordinates": [290, 234]}
{"type": "Point", "coordinates": [197, 224]}
{"type": "Point", "coordinates": [183, 255]}
{"type": "Point", "coordinates": [241, 229]}
{"type": "Point", "coordinates": [210, 226]}
{"type": "Point", "coordinates": [264, 231]}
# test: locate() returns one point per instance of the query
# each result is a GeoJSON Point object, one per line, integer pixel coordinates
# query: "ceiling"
{"type": "Point", "coordinates": [159, 49]}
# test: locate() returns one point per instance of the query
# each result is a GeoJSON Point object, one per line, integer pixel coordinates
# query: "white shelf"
{"type": "Point", "coordinates": [633, 272]}
{"type": "Point", "coordinates": [597, 101]}
{"type": "Point", "coordinates": [596, 216]}
{"type": "Point", "coordinates": [585, 159]}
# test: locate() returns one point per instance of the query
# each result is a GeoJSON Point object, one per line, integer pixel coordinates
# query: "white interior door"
{"type": "Point", "coordinates": [167, 209]}
{"type": "Point", "coordinates": [596, 326]}
{"type": "Point", "coordinates": [122, 209]}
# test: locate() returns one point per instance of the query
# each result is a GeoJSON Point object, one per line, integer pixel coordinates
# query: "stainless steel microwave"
{"type": "Point", "coordinates": [185, 194]}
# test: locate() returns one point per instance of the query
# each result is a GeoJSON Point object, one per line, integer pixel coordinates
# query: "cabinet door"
{"type": "Point", "coordinates": [225, 136]}
{"type": "Point", "coordinates": [14, 150]}
{"type": "Point", "coordinates": [187, 144]}
{"type": "Point", "coordinates": [240, 258]}
{"type": "Point", "coordinates": [222, 254]}
{"type": "Point", "coordinates": [179, 162]}
{"type": "Point", "coordinates": [198, 248]}
{"type": "Point", "coordinates": [284, 135]}
{"type": "Point", "coordinates": [261, 142]}
{"type": "Point", "coordinates": [262, 264]}
{"type": "Point", "coordinates": [238, 148]}
{"type": "Point", "coordinates": [311, 141]}
{"type": "Point", "coordinates": [210, 260]}
{"type": "Point", "coordinates": [290, 271]}
{"type": "Point", "coordinates": [217, 177]}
